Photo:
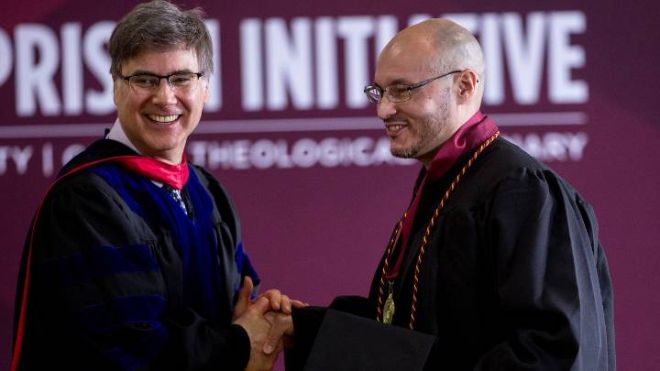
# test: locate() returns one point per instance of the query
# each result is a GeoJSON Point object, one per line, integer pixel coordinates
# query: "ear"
{"type": "Point", "coordinates": [205, 93]}
{"type": "Point", "coordinates": [467, 85]}
{"type": "Point", "coordinates": [115, 89]}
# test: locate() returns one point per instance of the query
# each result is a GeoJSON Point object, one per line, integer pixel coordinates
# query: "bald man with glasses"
{"type": "Point", "coordinates": [494, 265]}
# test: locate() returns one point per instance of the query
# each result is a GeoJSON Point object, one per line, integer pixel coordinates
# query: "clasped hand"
{"type": "Point", "coordinates": [267, 321]}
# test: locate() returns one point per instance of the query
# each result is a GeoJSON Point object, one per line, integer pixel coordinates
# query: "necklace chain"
{"type": "Point", "coordinates": [425, 239]}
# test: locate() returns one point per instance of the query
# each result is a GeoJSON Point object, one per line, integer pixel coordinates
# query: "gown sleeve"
{"type": "Point", "coordinates": [341, 338]}
{"type": "Point", "coordinates": [97, 293]}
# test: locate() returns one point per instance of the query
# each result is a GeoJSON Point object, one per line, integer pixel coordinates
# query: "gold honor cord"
{"type": "Point", "coordinates": [385, 312]}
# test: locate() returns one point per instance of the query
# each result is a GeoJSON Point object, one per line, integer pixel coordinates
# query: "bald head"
{"type": "Point", "coordinates": [443, 45]}
{"type": "Point", "coordinates": [430, 82]}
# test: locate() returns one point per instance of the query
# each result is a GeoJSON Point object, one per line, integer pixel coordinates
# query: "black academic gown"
{"type": "Point", "coordinates": [514, 278]}
{"type": "Point", "coordinates": [96, 264]}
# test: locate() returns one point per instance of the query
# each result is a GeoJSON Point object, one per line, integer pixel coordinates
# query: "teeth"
{"type": "Point", "coordinates": [164, 119]}
{"type": "Point", "coordinates": [395, 127]}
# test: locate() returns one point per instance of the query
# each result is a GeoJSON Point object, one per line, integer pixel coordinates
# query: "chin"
{"type": "Point", "coordinates": [402, 153]}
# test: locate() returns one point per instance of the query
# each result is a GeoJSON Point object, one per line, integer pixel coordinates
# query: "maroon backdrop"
{"type": "Point", "coordinates": [290, 135]}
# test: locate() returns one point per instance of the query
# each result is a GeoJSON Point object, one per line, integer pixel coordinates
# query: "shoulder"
{"type": "Point", "coordinates": [83, 184]}
{"type": "Point", "coordinates": [91, 198]}
{"type": "Point", "coordinates": [505, 158]}
{"type": "Point", "coordinates": [506, 163]}
{"type": "Point", "coordinates": [505, 171]}
{"type": "Point", "coordinates": [100, 149]}
{"type": "Point", "coordinates": [81, 211]}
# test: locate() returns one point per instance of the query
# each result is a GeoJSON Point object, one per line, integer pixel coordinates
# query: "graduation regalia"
{"type": "Point", "coordinates": [116, 275]}
{"type": "Point", "coordinates": [513, 277]}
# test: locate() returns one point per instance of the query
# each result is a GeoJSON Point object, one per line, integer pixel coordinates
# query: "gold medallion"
{"type": "Point", "coordinates": [388, 309]}
{"type": "Point", "coordinates": [387, 314]}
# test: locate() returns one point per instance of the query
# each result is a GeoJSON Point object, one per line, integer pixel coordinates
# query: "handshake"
{"type": "Point", "coordinates": [268, 323]}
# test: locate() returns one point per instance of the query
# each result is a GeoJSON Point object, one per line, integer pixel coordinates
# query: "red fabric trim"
{"type": "Point", "coordinates": [174, 175]}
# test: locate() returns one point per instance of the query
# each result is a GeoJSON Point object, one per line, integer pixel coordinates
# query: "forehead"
{"type": "Point", "coordinates": [405, 60]}
{"type": "Point", "coordinates": [162, 61]}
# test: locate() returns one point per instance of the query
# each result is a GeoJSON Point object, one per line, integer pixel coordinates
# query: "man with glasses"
{"type": "Point", "coordinates": [495, 265]}
{"type": "Point", "coordinates": [134, 260]}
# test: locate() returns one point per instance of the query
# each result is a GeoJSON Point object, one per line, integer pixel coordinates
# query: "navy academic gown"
{"type": "Point", "coordinates": [120, 278]}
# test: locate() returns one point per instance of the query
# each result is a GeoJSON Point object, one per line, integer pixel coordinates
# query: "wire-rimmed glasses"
{"type": "Point", "coordinates": [398, 93]}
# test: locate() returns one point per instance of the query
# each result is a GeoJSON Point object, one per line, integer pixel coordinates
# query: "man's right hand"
{"type": "Point", "coordinates": [251, 316]}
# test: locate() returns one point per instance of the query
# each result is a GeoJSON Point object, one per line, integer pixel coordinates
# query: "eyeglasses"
{"type": "Point", "coordinates": [398, 93]}
{"type": "Point", "coordinates": [183, 82]}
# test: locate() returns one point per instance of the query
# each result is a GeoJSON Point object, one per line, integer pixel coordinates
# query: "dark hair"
{"type": "Point", "coordinates": [160, 26]}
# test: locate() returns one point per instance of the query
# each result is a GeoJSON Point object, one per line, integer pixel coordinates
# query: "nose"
{"type": "Point", "coordinates": [164, 93]}
{"type": "Point", "coordinates": [385, 108]}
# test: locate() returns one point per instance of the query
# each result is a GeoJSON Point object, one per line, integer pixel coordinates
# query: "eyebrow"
{"type": "Point", "coordinates": [396, 82]}
{"type": "Point", "coordinates": [151, 73]}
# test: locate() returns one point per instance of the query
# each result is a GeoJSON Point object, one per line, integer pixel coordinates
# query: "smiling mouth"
{"type": "Point", "coordinates": [394, 129]}
{"type": "Point", "coordinates": [163, 119]}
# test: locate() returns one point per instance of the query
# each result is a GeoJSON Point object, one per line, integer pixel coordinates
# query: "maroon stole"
{"type": "Point", "coordinates": [468, 137]}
